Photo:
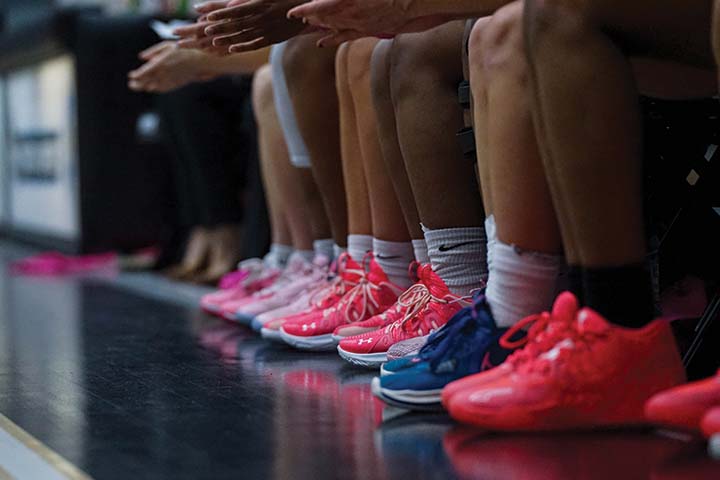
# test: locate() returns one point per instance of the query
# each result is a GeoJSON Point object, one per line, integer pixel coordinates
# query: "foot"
{"type": "Point", "coordinates": [373, 294]}
{"type": "Point", "coordinates": [472, 344]}
{"type": "Point", "coordinates": [429, 305]}
{"type": "Point", "coordinates": [596, 375]}
{"type": "Point", "coordinates": [195, 257]}
{"type": "Point", "coordinates": [684, 406]}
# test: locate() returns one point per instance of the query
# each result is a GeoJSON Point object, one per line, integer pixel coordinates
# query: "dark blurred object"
{"type": "Point", "coordinates": [122, 183]}
{"type": "Point", "coordinates": [683, 206]}
{"type": "Point", "coordinates": [126, 180]}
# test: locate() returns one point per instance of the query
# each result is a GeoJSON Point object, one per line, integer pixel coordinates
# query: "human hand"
{"type": "Point", "coordinates": [193, 36]}
{"type": "Point", "coordinates": [168, 67]}
{"type": "Point", "coordinates": [246, 25]}
{"type": "Point", "coordinates": [369, 16]}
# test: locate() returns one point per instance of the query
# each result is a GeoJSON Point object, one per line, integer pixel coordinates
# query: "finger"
{"type": "Point", "coordinates": [252, 7]}
{"type": "Point", "coordinates": [335, 39]}
{"type": "Point", "coordinates": [135, 86]}
{"type": "Point", "coordinates": [145, 70]}
{"type": "Point", "coordinates": [228, 27]}
{"type": "Point", "coordinates": [206, 7]}
{"type": "Point", "coordinates": [250, 46]}
{"type": "Point", "coordinates": [194, 30]}
{"type": "Point", "coordinates": [315, 7]}
{"type": "Point", "coordinates": [243, 36]}
{"type": "Point", "coordinates": [149, 52]}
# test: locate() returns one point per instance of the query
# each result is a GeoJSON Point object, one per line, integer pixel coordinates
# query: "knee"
{"type": "Point", "coordinates": [414, 66]}
{"type": "Point", "coordinates": [380, 71]}
{"type": "Point", "coordinates": [359, 54]}
{"type": "Point", "coordinates": [303, 63]}
{"type": "Point", "coordinates": [497, 47]}
{"type": "Point", "coordinates": [262, 92]}
{"type": "Point", "coordinates": [564, 19]}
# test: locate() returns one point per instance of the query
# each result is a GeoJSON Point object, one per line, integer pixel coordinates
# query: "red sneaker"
{"type": "Point", "coordinates": [684, 406]}
{"type": "Point", "coordinates": [373, 294]}
{"type": "Point", "coordinates": [598, 375]}
{"type": "Point", "coordinates": [545, 330]}
{"type": "Point", "coordinates": [710, 423]}
{"type": "Point", "coordinates": [428, 306]}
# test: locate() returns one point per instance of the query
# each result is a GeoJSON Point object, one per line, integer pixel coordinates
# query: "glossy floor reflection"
{"type": "Point", "coordinates": [130, 387]}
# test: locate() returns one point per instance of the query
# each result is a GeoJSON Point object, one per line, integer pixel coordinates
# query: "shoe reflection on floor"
{"type": "Point", "coordinates": [587, 456]}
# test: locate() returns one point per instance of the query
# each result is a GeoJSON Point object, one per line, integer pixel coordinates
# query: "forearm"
{"type": "Point", "coordinates": [455, 8]}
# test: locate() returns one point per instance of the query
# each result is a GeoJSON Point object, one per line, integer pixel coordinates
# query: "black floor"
{"type": "Point", "coordinates": [130, 387]}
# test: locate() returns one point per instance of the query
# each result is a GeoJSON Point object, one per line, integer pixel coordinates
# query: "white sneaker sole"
{"type": "Point", "coordinates": [319, 343]}
{"type": "Point", "coordinates": [429, 400]}
{"type": "Point", "coordinates": [368, 360]}
{"type": "Point", "coordinates": [271, 335]}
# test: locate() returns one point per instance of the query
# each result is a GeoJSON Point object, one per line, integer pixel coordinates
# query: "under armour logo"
{"type": "Point", "coordinates": [308, 327]}
{"type": "Point", "coordinates": [362, 340]}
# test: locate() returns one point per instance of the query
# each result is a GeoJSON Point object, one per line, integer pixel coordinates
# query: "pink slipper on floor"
{"type": "Point", "coordinates": [55, 263]}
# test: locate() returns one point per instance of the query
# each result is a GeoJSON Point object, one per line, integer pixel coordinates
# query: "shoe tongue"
{"type": "Point", "coordinates": [565, 308]}
{"type": "Point", "coordinates": [432, 281]}
{"type": "Point", "coordinates": [351, 270]}
{"type": "Point", "coordinates": [590, 321]}
{"type": "Point", "coordinates": [295, 263]}
{"type": "Point", "coordinates": [376, 274]}
{"type": "Point", "coordinates": [321, 261]}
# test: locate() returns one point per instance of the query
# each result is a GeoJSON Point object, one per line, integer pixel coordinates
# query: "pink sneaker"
{"type": "Point", "coordinates": [348, 275]}
{"type": "Point", "coordinates": [300, 305]}
{"type": "Point", "coordinates": [257, 277]}
{"type": "Point", "coordinates": [428, 306]}
{"type": "Point", "coordinates": [376, 322]}
{"type": "Point", "coordinates": [373, 294]}
{"type": "Point", "coordinates": [299, 277]}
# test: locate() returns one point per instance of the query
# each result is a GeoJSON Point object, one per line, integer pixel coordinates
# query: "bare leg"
{"type": "Point", "coordinates": [310, 74]}
{"type": "Point", "coordinates": [587, 114]}
{"type": "Point", "coordinates": [426, 71]}
{"type": "Point", "coordinates": [521, 200]}
{"type": "Point", "coordinates": [283, 182]}
{"type": "Point", "coordinates": [358, 201]}
{"type": "Point", "coordinates": [387, 131]}
{"type": "Point", "coordinates": [388, 222]}
{"type": "Point", "coordinates": [593, 137]}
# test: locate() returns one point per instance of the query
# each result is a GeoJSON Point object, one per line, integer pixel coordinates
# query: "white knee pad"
{"type": "Point", "coordinates": [299, 155]}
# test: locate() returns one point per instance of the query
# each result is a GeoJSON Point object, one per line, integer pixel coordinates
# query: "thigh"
{"type": "Point", "coordinates": [676, 30]}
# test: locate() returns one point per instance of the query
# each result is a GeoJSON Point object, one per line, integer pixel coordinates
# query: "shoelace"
{"type": "Point", "coordinates": [543, 334]}
{"type": "Point", "coordinates": [568, 344]}
{"type": "Point", "coordinates": [415, 300]}
{"type": "Point", "coordinates": [338, 287]}
{"type": "Point", "coordinates": [364, 291]}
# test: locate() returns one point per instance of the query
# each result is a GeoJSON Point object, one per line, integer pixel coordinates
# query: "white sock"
{"type": "Point", "coordinates": [491, 234]}
{"type": "Point", "coordinates": [278, 256]}
{"type": "Point", "coordinates": [358, 246]}
{"type": "Point", "coordinates": [394, 258]}
{"type": "Point", "coordinates": [307, 255]}
{"type": "Point", "coordinates": [338, 250]}
{"type": "Point", "coordinates": [521, 283]}
{"type": "Point", "coordinates": [421, 251]}
{"type": "Point", "coordinates": [458, 256]}
{"type": "Point", "coordinates": [324, 247]}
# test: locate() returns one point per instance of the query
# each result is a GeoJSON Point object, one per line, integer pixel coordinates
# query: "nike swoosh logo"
{"type": "Point", "coordinates": [382, 257]}
{"type": "Point", "coordinates": [446, 248]}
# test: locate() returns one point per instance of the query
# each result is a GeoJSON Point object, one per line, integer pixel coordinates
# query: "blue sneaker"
{"type": "Point", "coordinates": [470, 346]}
{"type": "Point", "coordinates": [434, 342]}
